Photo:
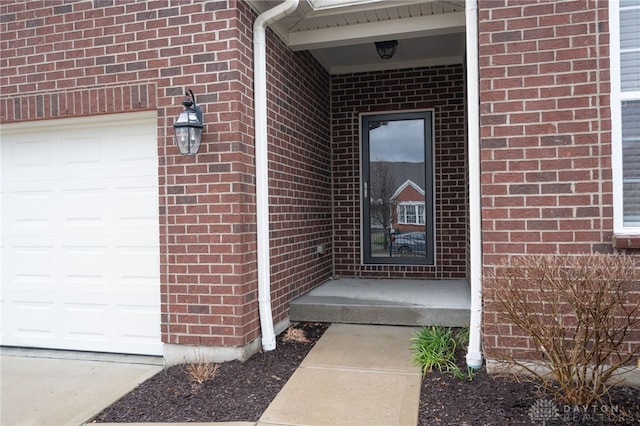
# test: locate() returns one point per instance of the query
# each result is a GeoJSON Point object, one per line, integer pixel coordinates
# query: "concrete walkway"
{"type": "Point", "coordinates": [354, 375]}
{"type": "Point", "coordinates": [42, 388]}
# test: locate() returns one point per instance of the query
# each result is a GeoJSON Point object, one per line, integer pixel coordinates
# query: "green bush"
{"type": "Point", "coordinates": [435, 347]}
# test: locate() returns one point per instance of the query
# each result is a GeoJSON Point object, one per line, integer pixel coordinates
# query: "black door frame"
{"type": "Point", "coordinates": [367, 120]}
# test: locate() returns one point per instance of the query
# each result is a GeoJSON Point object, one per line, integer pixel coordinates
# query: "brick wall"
{"type": "Point", "coordinates": [207, 220]}
{"type": "Point", "coordinates": [108, 56]}
{"type": "Point", "coordinates": [545, 135]}
{"type": "Point", "coordinates": [440, 88]}
{"type": "Point", "coordinates": [300, 174]}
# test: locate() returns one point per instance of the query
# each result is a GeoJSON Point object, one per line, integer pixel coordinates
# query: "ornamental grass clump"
{"type": "Point", "coordinates": [294, 334]}
{"type": "Point", "coordinates": [201, 370]}
{"type": "Point", "coordinates": [435, 347]}
{"type": "Point", "coordinates": [579, 312]}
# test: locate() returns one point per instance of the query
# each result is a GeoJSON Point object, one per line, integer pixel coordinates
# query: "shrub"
{"type": "Point", "coordinates": [436, 346]}
{"type": "Point", "coordinates": [579, 311]}
{"type": "Point", "coordinates": [201, 370]}
{"type": "Point", "coordinates": [294, 334]}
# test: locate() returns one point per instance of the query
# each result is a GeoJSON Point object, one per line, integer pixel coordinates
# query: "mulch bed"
{"type": "Point", "coordinates": [495, 400]}
{"type": "Point", "coordinates": [242, 391]}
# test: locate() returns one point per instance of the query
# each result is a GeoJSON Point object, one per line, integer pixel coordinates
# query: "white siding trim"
{"type": "Point", "coordinates": [616, 122]}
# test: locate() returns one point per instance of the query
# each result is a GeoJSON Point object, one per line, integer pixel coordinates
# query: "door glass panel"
{"type": "Point", "coordinates": [397, 189]}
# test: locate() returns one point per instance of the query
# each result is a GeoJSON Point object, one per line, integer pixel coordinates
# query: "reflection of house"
{"type": "Point", "coordinates": [401, 171]}
{"type": "Point", "coordinates": [409, 209]}
{"type": "Point", "coordinates": [406, 195]}
{"type": "Point", "coordinates": [398, 188]}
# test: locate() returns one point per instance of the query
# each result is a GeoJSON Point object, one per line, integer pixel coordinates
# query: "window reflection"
{"type": "Point", "coordinates": [396, 189]}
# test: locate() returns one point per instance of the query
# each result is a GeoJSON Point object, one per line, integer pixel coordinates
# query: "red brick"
{"type": "Point", "coordinates": [187, 269]}
{"type": "Point", "coordinates": [352, 88]}
{"type": "Point", "coordinates": [543, 96]}
{"type": "Point", "coordinates": [566, 131]}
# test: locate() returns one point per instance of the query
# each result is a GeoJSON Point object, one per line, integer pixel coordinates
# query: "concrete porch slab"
{"type": "Point", "coordinates": [386, 301]}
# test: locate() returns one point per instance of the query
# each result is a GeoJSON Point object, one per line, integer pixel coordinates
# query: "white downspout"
{"type": "Point", "coordinates": [474, 352]}
{"type": "Point", "coordinates": [262, 166]}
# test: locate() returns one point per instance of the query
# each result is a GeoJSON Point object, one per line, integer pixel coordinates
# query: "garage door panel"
{"type": "Point", "coordinates": [80, 244]}
{"type": "Point", "coordinates": [119, 265]}
{"type": "Point", "coordinates": [73, 204]}
{"type": "Point", "coordinates": [86, 321]}
{"type": "Point", "coordinates": [132, 265]}
{"type": "Point", "coordinates": [30, 319]}
{"type": "Point", "coordinates": [85, 206]}
{"type": "Point", "coordinates": [91, 318]}
{"type": "Point", "coordinates": [33, 153]}
{"type": "Point", "coordinates": [69, 157]}
{"type": "Point", "coordinates": [136, 322]}
{"type": "Point", "coordinates": [30, 265]}
{"type": "Point", "coordinates": [86, 265]}
{"type": "Point", "coordinates": [132, 208]}
{"type": "Point", "coordinates": [133, 155]}
{"type": "Point", "coordinates": [85, 152]}
{"type": "Point", "coordinates": [30, 209]}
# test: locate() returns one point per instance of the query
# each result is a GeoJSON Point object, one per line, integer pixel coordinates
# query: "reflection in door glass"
{"type": "Point", "coordinates": [396, 192]}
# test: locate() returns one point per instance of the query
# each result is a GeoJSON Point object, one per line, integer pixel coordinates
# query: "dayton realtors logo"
{"type": "Point", "coordinates": [546, 410]}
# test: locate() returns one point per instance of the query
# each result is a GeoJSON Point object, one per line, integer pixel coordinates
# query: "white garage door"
{"type": "Point", "coordinates": [80, 244]}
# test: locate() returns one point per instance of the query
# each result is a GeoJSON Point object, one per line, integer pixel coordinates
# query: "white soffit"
{"type": "Point", "coordinates": [330, 4]}
{"type": "Point", "coordinates": [401, 28]}
{"type": "Point", "coordinates": [341, 33]}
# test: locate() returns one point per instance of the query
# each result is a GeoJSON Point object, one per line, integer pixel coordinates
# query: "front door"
{"type": "Point", "coordinates": [397, 188]}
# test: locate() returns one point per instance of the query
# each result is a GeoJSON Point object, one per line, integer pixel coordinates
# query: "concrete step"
{"type": "Point", "coordinates": [386, 302]}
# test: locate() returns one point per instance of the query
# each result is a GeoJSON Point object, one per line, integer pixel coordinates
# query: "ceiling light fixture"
{"type": "Point", "coordinates": [386, 49]}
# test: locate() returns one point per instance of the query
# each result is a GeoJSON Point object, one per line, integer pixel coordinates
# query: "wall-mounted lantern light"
{"type": "Point", "coordinates": [386, 49]}
{"type": "Point", "coordinates": [188, 126]}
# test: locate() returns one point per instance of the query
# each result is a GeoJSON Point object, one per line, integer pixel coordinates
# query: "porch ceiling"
{"type": "Point", "coordinates": [429, 32]}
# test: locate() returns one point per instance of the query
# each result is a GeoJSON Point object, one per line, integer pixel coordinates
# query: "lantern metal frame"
{"type": "Point", "coordinates": [188, 127]}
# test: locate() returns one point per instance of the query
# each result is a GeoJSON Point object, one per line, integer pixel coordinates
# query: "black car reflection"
{"type": "Point", "coordinates": [409, 244]}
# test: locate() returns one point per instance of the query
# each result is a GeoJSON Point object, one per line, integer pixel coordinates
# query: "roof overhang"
{"type": "Point", "coordinates": [341, 33]}
{"type": "Point", "coordinates": [331, 4]}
